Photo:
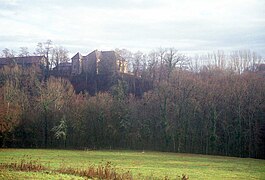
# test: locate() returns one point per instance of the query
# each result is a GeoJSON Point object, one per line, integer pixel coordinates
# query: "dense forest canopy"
{"type": "Point", "coordinates": [217, 108]}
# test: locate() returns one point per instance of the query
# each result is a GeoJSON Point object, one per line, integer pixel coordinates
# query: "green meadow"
{"type": "Point", "coordinates": [147, 165]}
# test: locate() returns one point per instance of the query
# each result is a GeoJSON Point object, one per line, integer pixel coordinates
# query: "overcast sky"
{"type": "Point", "coordinates": [84, 25]}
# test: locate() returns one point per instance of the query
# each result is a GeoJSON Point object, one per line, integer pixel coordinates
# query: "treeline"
{"type": "Point", "coordinates": [213, 110]}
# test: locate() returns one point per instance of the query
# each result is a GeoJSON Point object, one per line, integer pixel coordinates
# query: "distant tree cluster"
{"type": "Point", "coordinates": [55, 54]}
{"type": "Point", "coordinates": [214, 109]}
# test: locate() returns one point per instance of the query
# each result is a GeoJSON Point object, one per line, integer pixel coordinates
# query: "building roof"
{"type": "Point", "coordinates": [78, 56]}
{"type": "Point", "coordinates": [107, 55]}
{"type": "Point", "coordinates": [21, 60]}
{"type": "Point", "coordinates": [111, 55]}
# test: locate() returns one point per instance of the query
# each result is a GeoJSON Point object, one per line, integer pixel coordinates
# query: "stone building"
{"type": "Point", "coordinates": [63, 69]}
{"type": "Point", "coordinates": [27, 61]}
{"type": "Point", "coordinates": [99, 62]}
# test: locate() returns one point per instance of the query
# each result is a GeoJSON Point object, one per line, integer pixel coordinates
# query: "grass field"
{"type": "Point", "coordinates": [154, 165]}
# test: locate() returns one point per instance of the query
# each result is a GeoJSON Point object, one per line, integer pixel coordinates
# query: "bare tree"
{"type": "Point", "coordinates": [172, 59]}
{"type": "Point", "coordinates": [161, 55]}
{"type": "Point", "coordinates": [137, 63]}
{"type": "Point", "coordinates": [59, 55]}
{"type": "Point", "coordinates": [195, 63]}
{"type": "Point", "coordinates": [24, 52]}
{"type": "Point", "coordinates": [8, 53]}
{"type": "Point", "coordinates": [219, 59]}
{"type": "Point", "coordinates": [45, 49]}
{"type": "Point", "coordinates": [152, 65]}
{"type": "Point", "coordinates": [243, 60]}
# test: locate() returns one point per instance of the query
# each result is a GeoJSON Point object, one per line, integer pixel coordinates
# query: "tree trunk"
{"type": "Point", "coordinates": [45, 129]}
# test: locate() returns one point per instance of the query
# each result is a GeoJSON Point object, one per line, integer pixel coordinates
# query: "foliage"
{"type": "Point", "coordinates": [213, 110]}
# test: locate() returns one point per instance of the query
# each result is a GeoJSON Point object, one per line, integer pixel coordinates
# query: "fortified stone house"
{"type": "Point", "coordinates": [27, 61]}
{"type": "Point", "coordinates": [99, 62]}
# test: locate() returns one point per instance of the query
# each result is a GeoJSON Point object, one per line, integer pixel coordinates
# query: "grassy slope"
{"type": "Point", "coordinates": [156, 164]}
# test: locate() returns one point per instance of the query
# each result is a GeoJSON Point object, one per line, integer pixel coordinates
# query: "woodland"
{"type": "Point", "coordinates": [215, 108]}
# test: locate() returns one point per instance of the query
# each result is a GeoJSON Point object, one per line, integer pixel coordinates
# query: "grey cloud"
{"type": "Point", "coordinates": [202, 33]}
